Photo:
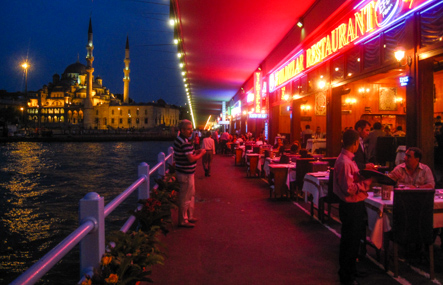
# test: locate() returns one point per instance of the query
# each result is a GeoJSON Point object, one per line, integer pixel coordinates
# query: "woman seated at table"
{"type": "Point", "coordinates": [278, 144]}
{"type": "Point", "coordinates": [295, 147]}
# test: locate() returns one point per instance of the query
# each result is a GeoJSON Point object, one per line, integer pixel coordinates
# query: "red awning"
{"type": "Point", "coordinates": [225, 42]}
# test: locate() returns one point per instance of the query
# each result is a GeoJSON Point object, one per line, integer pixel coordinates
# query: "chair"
{"type": "Point", "coordinates": [330, 199]}
{"type": "Point", "coordinates": [252, 165]}
{"type": "Point", "coordinates": [256, 149]}
{"type": "Point", "coordinates": [302, 167]}
{"type": "Point", "coordinates": [284, 159]}
{"type": "Point", "coordinates": [330, 160]}
{"type": "Point", "coordinates": [319, 166]}
{"type": "Point", "coordinates": [413, 214]}
{"type": "Point", "coordinates": [238, 156]}
{"type": "Point", "coordinates": [280, 187]}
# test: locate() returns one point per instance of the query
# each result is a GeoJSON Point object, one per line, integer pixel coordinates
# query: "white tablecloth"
{"type": "Point", "coordinates": [267, 161]}
{"type": "Point", "coordinates": [379, 220]}
{"type": "Point", "coordinates": [316, 184]}
{"type": "Point", "coordinates": [313, 144]}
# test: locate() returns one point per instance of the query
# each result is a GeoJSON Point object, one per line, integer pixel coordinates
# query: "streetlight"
{"type": "Point", "coordinates": [25, 67]}
{"type": "Point", "coordinates": [23, 118]}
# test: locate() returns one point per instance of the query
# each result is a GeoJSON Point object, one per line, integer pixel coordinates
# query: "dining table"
{"type": "Point", "coordinates": [315, 185]}
{"type": "Point", "coordinates": [314, 144]}
{"type": "Point", "coordinates": [380, 215]}
{"type": "Point", "coordinates": [267, 161]}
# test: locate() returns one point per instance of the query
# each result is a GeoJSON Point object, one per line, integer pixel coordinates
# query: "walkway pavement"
{"type": "Point", "coordinates": [244, 237]}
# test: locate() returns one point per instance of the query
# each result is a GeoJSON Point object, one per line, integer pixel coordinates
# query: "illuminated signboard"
{"type": "Point", "coordinates": [404, 80]}
{"type": "Point", "coordinates": [359, 24]}
{"type": "Point", "coordinates": [287, 72]}
{"type": "Point", "coordinates": [236, 110]}
{"type": "Point", "coordinates": [385, 10]}
{"type": "Point", "coordinates": [257, 91]}
{"type": "Point", "coordinates": [363, 22]}
{"type": "Point", "coordinates": [249, 97]}
{"type": "Point", "coordinates": [263, 91]}
{"type": "Point", "coordinates": [258, 116]}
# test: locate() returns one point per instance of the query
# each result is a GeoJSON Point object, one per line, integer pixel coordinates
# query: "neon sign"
{"type": "Point", "coordinates": [361, 23]}
{"type": "Point", "coordinates": [386, 9]}
{"type": "Point", "coordinates": [263, 91]}
{"type": "Point", "coordinates": [287, 72]}
{"type": "Point", "coordinates": [257, 91]}
{"type": "Point", "coordinates": [258, 116]}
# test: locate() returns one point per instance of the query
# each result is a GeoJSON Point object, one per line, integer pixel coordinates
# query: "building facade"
{"type": "Point", "coordinates": [341, 67]}
{"type": "Point", "coordinates": [78, 100]}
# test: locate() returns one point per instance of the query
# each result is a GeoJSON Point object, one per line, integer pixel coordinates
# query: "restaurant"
{"type": "Point", "coordinates": [375, 60]}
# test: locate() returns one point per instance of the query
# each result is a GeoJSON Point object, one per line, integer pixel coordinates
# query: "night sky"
{"type": "Point", "coordinates": [52, 34]}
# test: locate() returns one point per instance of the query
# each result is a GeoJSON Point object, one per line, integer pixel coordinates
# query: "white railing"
{"type": "Point", "coordinates": [91, 232]}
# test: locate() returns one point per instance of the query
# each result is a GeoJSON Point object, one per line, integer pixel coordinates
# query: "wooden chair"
{"type": "Point", "coordinates": [280, 187]}
{"type": "Point", "coordinates": [319, 166]}
{"type": "Point", "coordinates": [302, 167]}
{"type": "Point", "coordinates": [330, 160]}
{"type": "Point", "coordinates": [252, 165]}
{"type": "Point", "coordinates": [330, 199]}
{"type": "Point", "coordinates": [413, 214]}
{"type": "Point", "coordinates": [238, 156]}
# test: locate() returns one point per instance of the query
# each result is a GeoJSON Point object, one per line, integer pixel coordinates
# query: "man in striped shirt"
{"type": "Point", "coordinates": [185, 162]}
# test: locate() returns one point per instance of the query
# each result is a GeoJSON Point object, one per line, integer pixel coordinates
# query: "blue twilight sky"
{"type": "Point", "coordinates": [53, 33]}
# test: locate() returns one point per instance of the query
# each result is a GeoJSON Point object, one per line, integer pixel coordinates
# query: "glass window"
{"type": "Point", "coordinates": [353, 62]}
{"type": "Point", "coordinates": [372, 53]}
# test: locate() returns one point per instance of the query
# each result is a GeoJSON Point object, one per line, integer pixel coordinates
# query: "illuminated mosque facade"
{"type": "Point", "coordinates": [77, 99]}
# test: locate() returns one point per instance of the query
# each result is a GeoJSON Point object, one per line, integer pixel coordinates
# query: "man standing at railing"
{"type": "Point", "coordinates": [185, 162]}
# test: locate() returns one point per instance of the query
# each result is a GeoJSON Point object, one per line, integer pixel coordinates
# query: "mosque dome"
{"type": "Point", "coordinates": [77, 67]}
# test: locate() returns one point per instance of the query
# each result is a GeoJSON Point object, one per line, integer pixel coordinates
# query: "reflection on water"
{"type": "Point", "coordinates": [40, 187]}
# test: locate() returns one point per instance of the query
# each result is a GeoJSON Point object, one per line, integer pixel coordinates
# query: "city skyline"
{"type": "Point", "coordinates": [51, 35]}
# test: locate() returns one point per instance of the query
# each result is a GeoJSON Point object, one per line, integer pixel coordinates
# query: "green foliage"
{"type": "Point", "coordinates": [130, 257]}
{"type": "Point", "coordinates": [156, 210]}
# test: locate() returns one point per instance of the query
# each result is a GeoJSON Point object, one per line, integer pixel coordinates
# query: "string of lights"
{"type": "Point", "coordinates": [181, 54]}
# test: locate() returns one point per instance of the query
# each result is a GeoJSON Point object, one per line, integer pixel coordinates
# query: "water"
{"type": "Point", "coordinates": [40, 188]}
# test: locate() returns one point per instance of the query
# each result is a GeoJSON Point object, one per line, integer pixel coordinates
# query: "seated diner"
{"type": "Point", "coordinates": [412, 173]}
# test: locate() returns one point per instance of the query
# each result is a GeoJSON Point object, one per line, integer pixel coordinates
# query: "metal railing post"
{"type": "Point", "coordinates": [92, 247]}
{"type": "Point", "coordinates": [143, 190]}
{"type": "Point", "coordinates": [171, 158]}
{"type": "Point", "coordinates": [162, 168]}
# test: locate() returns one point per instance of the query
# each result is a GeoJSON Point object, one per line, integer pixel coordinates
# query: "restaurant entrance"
{"type": "Point", "coordinates": [438, 112]}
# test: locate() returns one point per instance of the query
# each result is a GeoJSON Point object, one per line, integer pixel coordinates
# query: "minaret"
{"type": "Point", "coordinates": [88, 114]}
{"type": "Point", "coordinates": [126, 71]}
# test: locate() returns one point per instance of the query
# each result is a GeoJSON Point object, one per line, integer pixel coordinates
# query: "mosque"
{"type": "Point", "coordinates": [78, 100]}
